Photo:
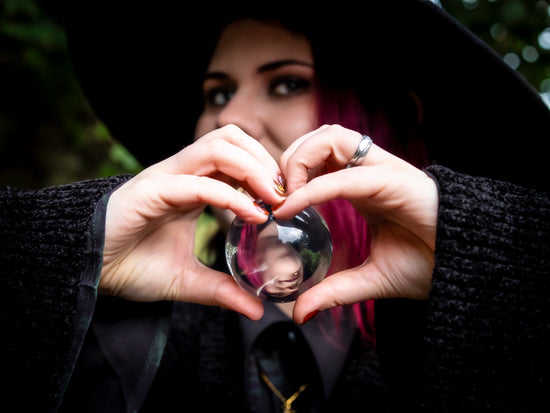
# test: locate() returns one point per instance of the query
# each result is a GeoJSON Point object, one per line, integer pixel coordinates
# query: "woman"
{"type": "Point", "coordinates": [267, 265]}
{"type": "Point", "coordinates": [475, 333]}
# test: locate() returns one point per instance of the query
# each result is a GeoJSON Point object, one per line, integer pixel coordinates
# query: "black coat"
{"type": "Point", "coordinates": [480, 341]}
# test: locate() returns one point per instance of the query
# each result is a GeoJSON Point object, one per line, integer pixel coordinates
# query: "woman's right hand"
{"type": "Point", "coordinates": [151, 221]}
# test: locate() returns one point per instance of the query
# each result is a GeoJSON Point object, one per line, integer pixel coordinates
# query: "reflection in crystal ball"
{"type": "Point", "coordinates": [279, 260]}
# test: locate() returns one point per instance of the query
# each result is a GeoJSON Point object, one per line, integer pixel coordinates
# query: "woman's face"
{"type": "Point", "coordinates": [282, 269]}
{"type": "Point", "coordinates": [260, 78]}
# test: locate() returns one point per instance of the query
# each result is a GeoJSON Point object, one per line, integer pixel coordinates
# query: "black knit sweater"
{"type": "Point", "coordinates": [488, 325]}
{"type": "Point", "coordinates": [479, 342]}
{"type": "Point", "coordinates": [49, 273]}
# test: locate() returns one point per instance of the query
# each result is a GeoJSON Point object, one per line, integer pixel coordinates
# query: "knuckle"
{"type": "Point", "coordinates": [232, 130]}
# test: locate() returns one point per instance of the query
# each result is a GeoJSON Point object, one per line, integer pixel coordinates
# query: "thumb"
{"type": "Point", "coordinates": [346, 287]}
{"type": "Point", "coordinates": [211, 287]}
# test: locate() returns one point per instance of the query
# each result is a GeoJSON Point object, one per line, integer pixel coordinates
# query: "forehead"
{"type": "Point", "coordinates": [256, 42]}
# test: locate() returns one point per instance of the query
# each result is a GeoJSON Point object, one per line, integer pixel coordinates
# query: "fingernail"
{"type": "Point", "coordinates": [280, 204]}
{"type": "Point", "coordinates": [310, 316]}
{"type": "Point", "coordinates": [259, 208]}
{"type": "Point", "coordinates": [280, 184]}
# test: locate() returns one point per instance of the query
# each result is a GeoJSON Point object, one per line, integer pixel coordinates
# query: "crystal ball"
{"type": "Point", "coordinates": [279, 259]}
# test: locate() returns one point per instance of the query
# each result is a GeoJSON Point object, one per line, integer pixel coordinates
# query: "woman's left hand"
{"type": "Point", "coordinates": [398, 201]}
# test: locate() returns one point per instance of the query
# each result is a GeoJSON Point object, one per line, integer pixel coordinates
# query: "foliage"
{"type": "Point", "coordinates": [48, 133]}
{"type": "Point", "coordinates": [518, 30]}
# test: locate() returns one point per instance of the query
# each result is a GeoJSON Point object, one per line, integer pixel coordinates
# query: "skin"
{"type": "Point", "coordinates": [260, 79]}
{"type": "Point", "coordinates": [283, 271]}
{"type": "Point", "coordinates": [259, 124]}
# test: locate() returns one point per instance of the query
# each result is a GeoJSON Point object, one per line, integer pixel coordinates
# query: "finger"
{"type": "Point", "coordinates": [241, 166]}
{"type": "Point", "coordinates": [384, 181]}
{"type": "Point", "coordinates": [406, 275]}
{"type": "Point", "coordinates": [295, 144]}
{"type": "Point", "coordinates": [406, 196]}
{"type": "Point", "coordinates": [330, 147]}
{"type": "Point", "coordinates": [229, 134]}
{"type": "Point", "coordinates": [346, 183]}
{"type": "Point", "coordinates": [347, 287]}
{"type": "Point", "coordinates": [211, 287]}
{"type": "Point", "coordinates": [239, 138]}
{"type": "Point", "coordinates": [187, 192]}
{"type": "Point", "coordinates": [234, 153]}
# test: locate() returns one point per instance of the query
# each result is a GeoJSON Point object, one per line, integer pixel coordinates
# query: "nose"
{"type": "Point", "coordinates": [244, 111]}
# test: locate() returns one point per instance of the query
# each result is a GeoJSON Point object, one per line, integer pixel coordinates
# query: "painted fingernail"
{"type": "Point", "coordinates": [310, 316]}
{"type": "Point", "coordinates": [259, 208]}
{"type": "Point", "coordinates": [280, 184]}
{"type": "Point", "coordinates": [280, 204]}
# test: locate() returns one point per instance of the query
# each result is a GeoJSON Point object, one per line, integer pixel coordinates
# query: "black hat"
{"type": "Point", "coordinates": [141, 67]}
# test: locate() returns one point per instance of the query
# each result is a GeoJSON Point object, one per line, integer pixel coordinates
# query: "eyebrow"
{"type": "Point", "coordinates": [279, 63]}
{"type": "Point", "coordinates": [262, 69]}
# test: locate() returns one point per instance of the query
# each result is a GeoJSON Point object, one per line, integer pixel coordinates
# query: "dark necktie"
{"type": "Point", "coordinates": [287, 377]}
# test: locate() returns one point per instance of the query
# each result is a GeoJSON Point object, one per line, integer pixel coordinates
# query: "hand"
{"type": "Point", "coordinates": [399, 202]}
{"type": "Point", "coordinates": [151, 220]}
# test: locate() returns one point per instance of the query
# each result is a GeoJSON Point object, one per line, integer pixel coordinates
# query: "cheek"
{"type": "Point", "coordinates": [205, 123]}
{"type": "Point", "coordinates": [294, 123]}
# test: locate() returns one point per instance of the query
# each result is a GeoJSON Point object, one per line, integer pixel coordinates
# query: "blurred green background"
{"type": "Point", "coordinates": [49, 135]}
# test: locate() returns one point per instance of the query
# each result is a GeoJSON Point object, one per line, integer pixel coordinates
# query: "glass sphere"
{"type": "Point", "coordinates": [278, 260]}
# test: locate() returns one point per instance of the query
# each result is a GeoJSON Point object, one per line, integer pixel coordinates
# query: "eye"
{"type": "Point", "coordinates": [288, 86]}
{"type": "Point", "coordinates": [218, 96]}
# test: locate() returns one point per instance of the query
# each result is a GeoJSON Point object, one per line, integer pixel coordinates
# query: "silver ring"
{"type": "Point", "coordinates": [360, 152]}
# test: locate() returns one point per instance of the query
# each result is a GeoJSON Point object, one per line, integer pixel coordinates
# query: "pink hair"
{"type": "Point", "coordinates": [349, 230]}
{"type": "Point", "coordinates": [246, 260]}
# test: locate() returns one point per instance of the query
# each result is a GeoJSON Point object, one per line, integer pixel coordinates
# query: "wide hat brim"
{"type": "Point", "coordinates": [141, 69]}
